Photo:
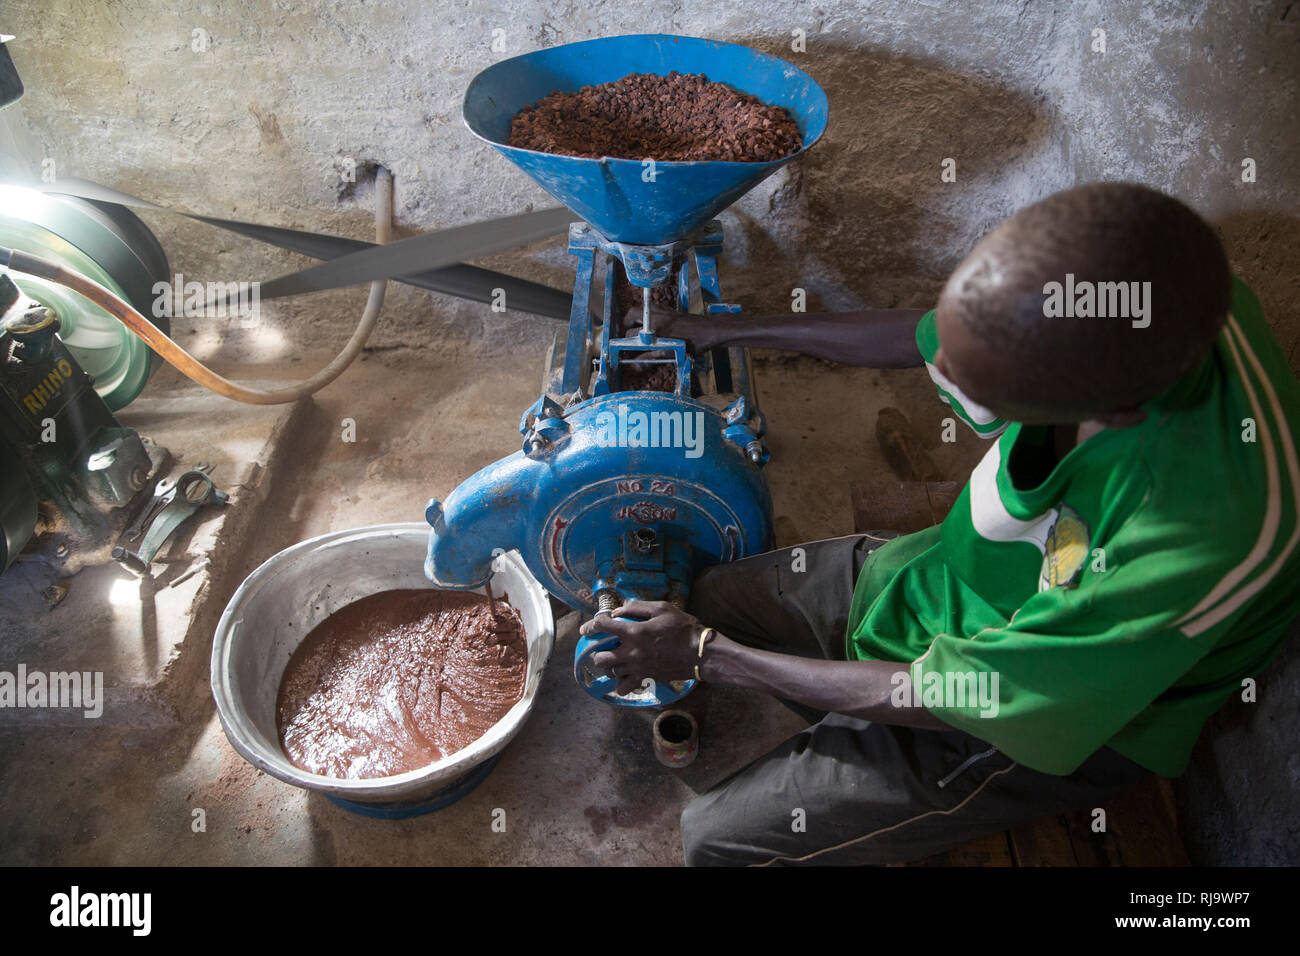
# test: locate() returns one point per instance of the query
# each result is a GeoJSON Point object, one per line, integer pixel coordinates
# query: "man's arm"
{"type": "Point", "coordinates": [871, 338]}
{"type": "Point", "coordinates": [665, 645]}
{"type": "Point", "coordinates": [866, 689]}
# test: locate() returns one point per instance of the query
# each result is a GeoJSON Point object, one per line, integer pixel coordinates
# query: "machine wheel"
{"type": "Point", "coordinates": [109, 244]}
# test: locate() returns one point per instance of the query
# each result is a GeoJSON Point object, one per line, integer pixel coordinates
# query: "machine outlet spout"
{"type": "Point", "coordinates": [478, 521]}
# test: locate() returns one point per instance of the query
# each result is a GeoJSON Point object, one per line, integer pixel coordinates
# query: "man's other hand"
{"type": "Point", "coordinates": [699, 331]}
{"type": "Point", "coordinates": [663, 646]}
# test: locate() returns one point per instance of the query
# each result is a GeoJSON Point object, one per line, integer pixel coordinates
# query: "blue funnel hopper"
{"type": "Point", "coordinates": [611, 194]}
{"type": "Point", "coordinates": [621, 491]}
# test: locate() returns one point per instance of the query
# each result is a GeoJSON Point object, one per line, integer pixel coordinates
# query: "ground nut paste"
{"type": "Point", "coordinates": [400, 679]}
{"type": "Point", "coordinates": [681, 116]}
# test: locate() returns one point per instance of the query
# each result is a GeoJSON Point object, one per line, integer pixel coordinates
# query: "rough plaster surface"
{"type": "Point", "coordinates": [255, 126]}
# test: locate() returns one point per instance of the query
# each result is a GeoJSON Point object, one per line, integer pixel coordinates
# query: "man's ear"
{"type": "Point", "coordinates": [1124, 418]}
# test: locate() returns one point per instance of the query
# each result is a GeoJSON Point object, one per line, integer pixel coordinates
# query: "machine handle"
{"type": "Point", "coordinates": [603, 688]}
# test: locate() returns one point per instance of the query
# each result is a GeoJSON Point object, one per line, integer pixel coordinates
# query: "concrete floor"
{"type": "Point", "coordinates": [579, 784]}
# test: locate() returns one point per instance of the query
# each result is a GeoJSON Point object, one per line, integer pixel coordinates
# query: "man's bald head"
{"type": "Point", "coordinates": [1002, 330]}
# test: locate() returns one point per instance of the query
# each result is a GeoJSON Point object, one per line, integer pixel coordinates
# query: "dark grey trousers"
{"type": "Point", "coordinates": [849, 791]}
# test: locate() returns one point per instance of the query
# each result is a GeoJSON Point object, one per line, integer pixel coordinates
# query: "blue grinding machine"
{"type": "Point", "coordinates": [620, 492]}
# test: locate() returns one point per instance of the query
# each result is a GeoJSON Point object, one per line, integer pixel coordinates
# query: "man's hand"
{"type": "Point", "coordinates": [664, 646]}
{"type": "Point", "coordinates": [869, 338]}
{"type": "Point", "coordinates": [699, 331]}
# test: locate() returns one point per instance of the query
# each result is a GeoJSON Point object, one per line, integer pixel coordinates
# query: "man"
{"type": "Point", "coordinates": [1122, 559]}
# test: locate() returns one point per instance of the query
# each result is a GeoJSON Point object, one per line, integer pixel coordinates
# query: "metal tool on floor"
{"type": "Point", "coordinates": [620, 492]}
{"type": "Point", "coordinates": [162, 494]}
{"type": "Point", "coordinates": [173, 503]}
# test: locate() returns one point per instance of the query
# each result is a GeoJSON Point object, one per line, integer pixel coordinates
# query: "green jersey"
{"type": "Point", "coordinates": [1116, 597]}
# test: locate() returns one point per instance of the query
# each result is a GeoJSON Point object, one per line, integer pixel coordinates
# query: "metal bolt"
{"type": "Point", "coordinates": [54, 594]}
{"type": "Point", "coordinates": [137, 478]}
{"type": "Point", "coordinates": [644, 540]}
{"type": "Point", "coordinates": [190, 572]}
{"type": "Point", "coordinates": [755, 451]}
{"type": "Point", "coordinates": [607, 599]}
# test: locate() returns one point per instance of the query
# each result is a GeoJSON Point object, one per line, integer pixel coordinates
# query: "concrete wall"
{"type": "Point", "coordinates": [254, 127]}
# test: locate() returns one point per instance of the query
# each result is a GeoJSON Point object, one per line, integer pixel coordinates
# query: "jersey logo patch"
{"type": "Point", "coordinates": [1066, 550]}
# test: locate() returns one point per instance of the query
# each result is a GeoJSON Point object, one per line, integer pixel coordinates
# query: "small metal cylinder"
{"type": "Point", "coordinates": [676, 738]}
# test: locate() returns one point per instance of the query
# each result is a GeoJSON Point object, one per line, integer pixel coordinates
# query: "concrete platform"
{"type": "Point", "coordinates": [579, 785]}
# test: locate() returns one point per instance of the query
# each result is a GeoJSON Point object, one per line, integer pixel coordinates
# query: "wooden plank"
{"type": "Point", "coordinates": [942, 495]}
{"type": "Point", "coordinates": [991, 850]}
{"type": "Point", "coordinates": [1043, 842]}
{"type": "Point", "coordinates": [1092, 848]}
{"type": "Point", "coordinates": [883, 504]}
{"type": "Point", "coordinates": [1170, 800]}
{"type": "Point", "coordinates": [903, 448]}
{"type": "Point", "coordinates": [1141, 830]}
{"type": "Point", "coordinates": [1145, 830]}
